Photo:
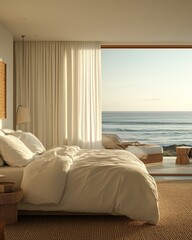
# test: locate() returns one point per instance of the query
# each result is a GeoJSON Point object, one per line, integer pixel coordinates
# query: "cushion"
{"type": "Point", "coordinates": [143, 150]}
{"type": "Point", "coordinates": [7, 131]}
{"type": "Point", "coordinates": [31, 141]}
{"type": "Point", "coordinates": [14, 152]}
{"type": "Point", "coordinates": [111, 141]}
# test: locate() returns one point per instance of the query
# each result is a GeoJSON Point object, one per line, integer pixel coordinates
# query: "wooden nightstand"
{"type": "Point", "coordinates": [8, 206]}
{"type": "Point", "coordinates": [2, 226]}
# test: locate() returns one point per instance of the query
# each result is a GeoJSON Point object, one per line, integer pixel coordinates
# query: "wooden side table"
{"type": "Point", "coordinates": [8, 206]}
{"type": "Point", "coordinates": [182, 155]}
{"type": "Point", "coordinates": [2, 226]}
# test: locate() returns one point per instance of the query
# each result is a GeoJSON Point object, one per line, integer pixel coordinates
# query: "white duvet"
{"type": "Point", "coordinates": [91, 181]}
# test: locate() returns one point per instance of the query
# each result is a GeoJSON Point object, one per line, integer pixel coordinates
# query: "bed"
{"type": "Point", "coordinates": [71, 179]}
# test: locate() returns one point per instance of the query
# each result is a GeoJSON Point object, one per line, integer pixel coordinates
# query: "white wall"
{"type": "Point", "coordinates": [6, 55]}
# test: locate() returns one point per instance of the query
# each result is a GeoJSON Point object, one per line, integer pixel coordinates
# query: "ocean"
{"type": "Point", "coordinates": [163, 128]}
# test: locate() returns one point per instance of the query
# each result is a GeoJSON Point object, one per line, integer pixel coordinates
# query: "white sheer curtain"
{"type": "Point", "coordinates": [62, 86]}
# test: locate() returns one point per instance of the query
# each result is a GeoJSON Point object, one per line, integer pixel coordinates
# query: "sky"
{"type": "Point", "coordinates": [146, 79]}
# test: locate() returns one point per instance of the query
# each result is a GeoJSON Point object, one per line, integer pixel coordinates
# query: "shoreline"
{"type": "Point", "coordinates": [171, 149]}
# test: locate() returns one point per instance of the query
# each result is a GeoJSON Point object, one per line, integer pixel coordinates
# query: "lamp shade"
{"type": "Point", "coordinates": [23, 115]}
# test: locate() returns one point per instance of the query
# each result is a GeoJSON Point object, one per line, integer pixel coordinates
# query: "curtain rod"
{"type": "Point", "coordinates": [145, 46]}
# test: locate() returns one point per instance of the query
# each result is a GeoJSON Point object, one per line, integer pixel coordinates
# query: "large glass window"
{"type": "Point", "coordinates": [147, 94]}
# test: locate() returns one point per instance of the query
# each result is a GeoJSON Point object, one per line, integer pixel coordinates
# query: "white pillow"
{"type": "Point", "coordinates": [14, 152]}
{"type": "Point", "coordinates": [1, 162]}
{"type": "Point", "coordinates": [7, 131]}
{"type": "Point", "coordinates": [2, 133]}
{"type": "Point", "coordinates": [31, 141]}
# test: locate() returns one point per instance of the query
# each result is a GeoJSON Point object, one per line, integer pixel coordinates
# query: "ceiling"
{"type": "Point", "coordinates": [108, 21]}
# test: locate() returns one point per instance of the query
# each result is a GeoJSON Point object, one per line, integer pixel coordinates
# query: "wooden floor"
{"type": "Point", "coordinates": [169, 169]}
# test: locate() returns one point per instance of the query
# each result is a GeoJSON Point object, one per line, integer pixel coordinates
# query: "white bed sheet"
{"type": "Point", "coordinates": [106, 181]}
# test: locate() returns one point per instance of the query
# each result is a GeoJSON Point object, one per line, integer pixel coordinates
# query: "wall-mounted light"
{"type": "Point", "coordinates": [23, 112]}
{"type": "Point", "coordinates": [23, 115]}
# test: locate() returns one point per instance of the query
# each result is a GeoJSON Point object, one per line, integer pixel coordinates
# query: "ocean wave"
{"type": "Point", "coordinates": [146, 131]}
{"type": "Point", "coordinates": [163, 128]}
{"type": "Point", "coordinates": [144, 123]}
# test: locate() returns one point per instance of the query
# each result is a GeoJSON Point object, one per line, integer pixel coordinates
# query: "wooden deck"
{"type": "Point", "coordinates": [168, 167]}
